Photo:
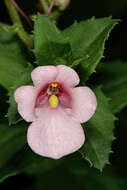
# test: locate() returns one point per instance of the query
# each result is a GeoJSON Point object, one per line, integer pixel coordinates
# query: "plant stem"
{"type": "Point", "coordinates": [18, 27]}
{"type": "Point", "coordinates": [45, 5]}
{"type": "Point", "coordinates": [22, 13]}
{"type": "Point", "coordinates": [50, 7]}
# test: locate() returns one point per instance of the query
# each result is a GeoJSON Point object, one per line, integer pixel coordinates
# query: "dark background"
{"type": "Point", "coordinates": [116, 49]}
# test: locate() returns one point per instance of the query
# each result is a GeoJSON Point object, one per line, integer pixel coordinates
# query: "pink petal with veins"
{"type": "Point", "coordinates": [84, 103]}
{"type": "Point", "coordinates": [55, 134]}
{"type": "Point", "coordinates": [43, 74]}
{"type": "Point", "coordinates": [67, 76]}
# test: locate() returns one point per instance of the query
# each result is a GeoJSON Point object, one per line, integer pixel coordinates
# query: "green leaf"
{"type": "Point", "coordinates": [12, 139]}
{"type": "Point", "coordinates": [99, 133]}
{"type": "Point", "coordinates": [87, 40]}
{"type": "Point", "coordinates": [113, 76]}
{"type": "Point", "coordinates": [14, 67]}
{"type": "Point", "coordinates": [26, 161]}
{"type": "Point", "coordinates": [13, 115]}
{"type": "Point", "coordinates": [50, 45]}
{"type": "Point", "coordinates": [12, 58]}
{"type": "Point", "coordinates": [15, 154]}
{"type": "Point", "coordinates": [3, 102]}
{"type": "Point", "coordinates": [90, 178]}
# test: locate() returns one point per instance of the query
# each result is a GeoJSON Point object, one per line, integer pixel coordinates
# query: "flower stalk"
{"type": "Point", "coordinates": [50, 7]}
{"type": "Point", "coordinates": [18, 26]}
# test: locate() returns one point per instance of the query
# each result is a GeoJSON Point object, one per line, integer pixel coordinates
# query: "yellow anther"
{"type": "Point", "coordinates": [54, 85]}
{"type": "Point", "coordinates": [53, 101]}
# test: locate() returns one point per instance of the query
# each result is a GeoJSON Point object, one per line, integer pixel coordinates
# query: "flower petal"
{"type": "Point", "coordinates": [43, 74]}
{"type": "Point", "coordinates": [84, 103]}
{"type": "Point", "coordinates": [67, 75]}
{"type": "Point", "coordinates": [25, 97]}
{"type": "Point", "coordinates": [55, 134]}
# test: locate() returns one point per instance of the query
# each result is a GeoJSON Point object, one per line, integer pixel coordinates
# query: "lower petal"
{"type": "Point", "coordinates": [84, 103]}
{"type": "Point", "coordinates": [55, 134]}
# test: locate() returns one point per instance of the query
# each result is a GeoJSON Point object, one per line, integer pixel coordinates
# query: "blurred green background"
{"type": "Point", "coordinates": [72, 172]}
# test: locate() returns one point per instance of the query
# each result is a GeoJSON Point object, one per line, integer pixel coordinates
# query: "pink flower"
{"type": "Point", "coordinates": [56, 108]}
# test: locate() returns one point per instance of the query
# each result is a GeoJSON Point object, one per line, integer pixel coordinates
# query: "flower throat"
{"type": "Point", "coordinates": [53, 91]}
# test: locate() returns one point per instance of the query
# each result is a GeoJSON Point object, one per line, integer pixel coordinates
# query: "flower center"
{"type": "Point", "coordinates": [53, 91]}
{"type": "Point", "coordinates": [54, 94]}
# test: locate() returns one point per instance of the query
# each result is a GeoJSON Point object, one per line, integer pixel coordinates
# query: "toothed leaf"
{"type": "Point", "coordinates": [87, 40]}
{"type": "Point", "coordinates": [113, 76]}
{"type": "Point", "coordinates": [13, 115]}
{"type": "Point", "coordinates": [50, 45]}
{"type": "Point", "coordinates": [99, 133]}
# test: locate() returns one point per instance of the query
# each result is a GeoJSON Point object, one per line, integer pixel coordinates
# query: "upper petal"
{"type": "Point", "coordinates": [55, 134]}
{"type": "Point", "coordinates": [84, 103]}
{"type": "Point", "coordinates": [67, 76]}
{"type": "Point", "coordinates": [43, 74]}
{"type": "Point", "coordinates": [25, 97]}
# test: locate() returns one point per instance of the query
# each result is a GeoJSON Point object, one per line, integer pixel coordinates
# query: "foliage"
{"type": "Point", "coordinates": [113, 76]}
{"type": "Point", "coordinates": [80, 46]}
{"type": "Point", "coordinates": [99, 133]}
